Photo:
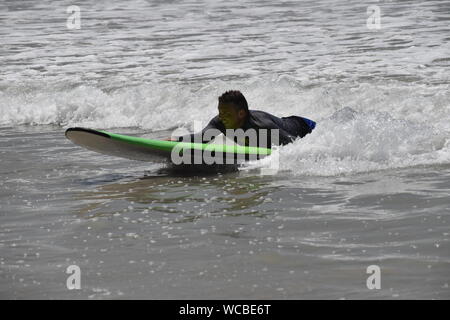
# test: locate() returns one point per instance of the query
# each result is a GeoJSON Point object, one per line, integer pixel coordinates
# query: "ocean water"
{"type": "Point", "coordinates": [370, 185]}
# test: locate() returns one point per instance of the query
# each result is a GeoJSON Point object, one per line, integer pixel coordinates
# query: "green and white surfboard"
{"type": "Point", "coordinates": [152, 150]}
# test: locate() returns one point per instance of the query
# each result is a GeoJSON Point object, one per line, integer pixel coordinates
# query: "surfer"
{"type": "Point", "coordinates": [234, 114]}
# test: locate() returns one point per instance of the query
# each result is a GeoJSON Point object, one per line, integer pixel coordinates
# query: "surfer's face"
{"type": "Point", "coordinates": [231, 117]}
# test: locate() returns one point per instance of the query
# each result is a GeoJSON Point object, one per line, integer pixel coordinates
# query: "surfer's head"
{"type": "Point", "coordinates": [233, 109]}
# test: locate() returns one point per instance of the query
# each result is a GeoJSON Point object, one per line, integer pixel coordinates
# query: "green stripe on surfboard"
{"type": "Point", "coordinates": [169, 145]}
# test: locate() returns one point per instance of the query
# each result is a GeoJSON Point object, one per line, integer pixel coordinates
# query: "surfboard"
{"type": "Point", "coordinates": [153, 150]}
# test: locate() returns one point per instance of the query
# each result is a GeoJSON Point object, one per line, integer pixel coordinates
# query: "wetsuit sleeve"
{"type": "Point", "coordinates": [214, 125]}
{"type": "Point", "coordinates": [284, 137]}
{"type": "Point", "coordinates": [270, 122]}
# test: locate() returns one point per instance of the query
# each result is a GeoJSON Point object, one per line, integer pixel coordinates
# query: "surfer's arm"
{"type": "Point", "coordinates": [284, 137]}
{"type": "Point", "coordinates": [213, 129]}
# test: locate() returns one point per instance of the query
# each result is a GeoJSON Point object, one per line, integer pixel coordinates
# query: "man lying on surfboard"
{"type": "Point", "coordinates": [234, 114]}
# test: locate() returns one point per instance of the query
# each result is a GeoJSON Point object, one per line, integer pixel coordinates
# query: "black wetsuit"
{"type": "Point", "coordinates": [289, 128]}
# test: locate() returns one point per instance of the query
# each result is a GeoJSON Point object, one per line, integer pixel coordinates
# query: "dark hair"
{"type": "Point", "coordinates": [236, 98]}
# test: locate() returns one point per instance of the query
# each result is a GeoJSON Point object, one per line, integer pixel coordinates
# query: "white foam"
{"type": "Point", "coordinates": [360, 127]}
{"type": "Point", "coordinates": [351, 142]}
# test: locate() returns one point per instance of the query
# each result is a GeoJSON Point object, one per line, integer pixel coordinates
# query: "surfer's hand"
{"type": "Point", "coordinates": [170, 139]}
